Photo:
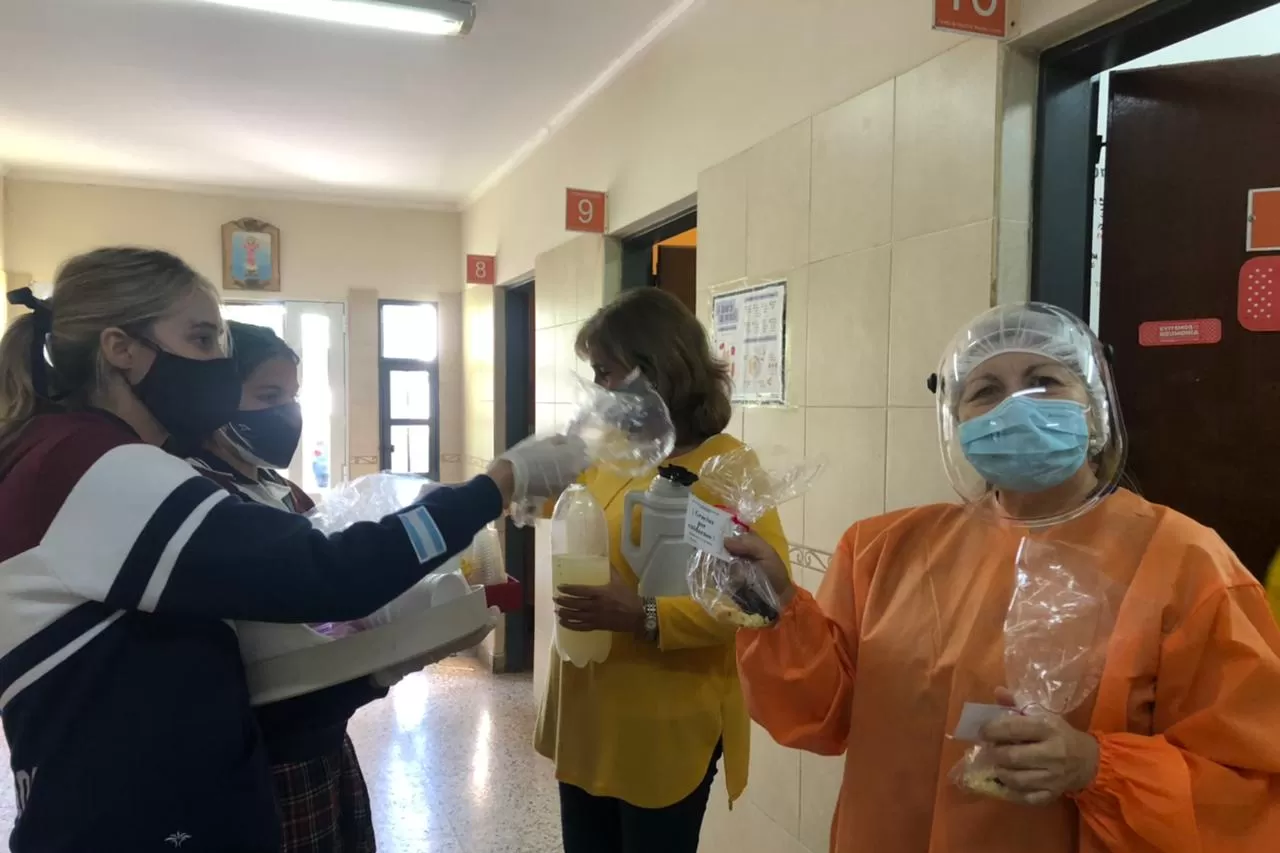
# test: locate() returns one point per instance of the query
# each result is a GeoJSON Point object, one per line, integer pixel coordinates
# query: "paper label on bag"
{"type": "Point", "coordinates": [974, 717]}
{"type": "Point", "coordinates": [705, 527]}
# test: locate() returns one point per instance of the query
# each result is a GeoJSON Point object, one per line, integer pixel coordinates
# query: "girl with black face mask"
{"type": "Point", "coordinates": [122, 569]}
{"type": "Point", "coordinates": [323, 799]}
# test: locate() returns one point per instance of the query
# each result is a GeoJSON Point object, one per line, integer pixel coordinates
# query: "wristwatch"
{"type": "Point", "coordinates": [651, 619]}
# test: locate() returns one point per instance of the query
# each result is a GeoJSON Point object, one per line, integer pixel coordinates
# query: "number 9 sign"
{"type": "Point", "coordinates": [585, 211]}
{"type": "Point", "coordinates": [973, 17]}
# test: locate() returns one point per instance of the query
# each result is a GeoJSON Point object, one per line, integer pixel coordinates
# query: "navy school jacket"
{"type": "Point", "coordinates": [122, 692]}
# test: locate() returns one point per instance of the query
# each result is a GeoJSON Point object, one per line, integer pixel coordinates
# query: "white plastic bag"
{"type": "Point", "coordinates": [369, 498]}
{"type": "Point", "coordinates": [627, 431]}
{"type": "Point", "coordinates": [736, 591]}
{"type": "Point", "coordinates": [372, 497]}
{"type": "Point", "coordinates": [1056, 632]}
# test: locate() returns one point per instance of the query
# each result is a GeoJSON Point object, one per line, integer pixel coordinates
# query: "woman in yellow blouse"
{"type": "Point", "coordinates": [636, 739]}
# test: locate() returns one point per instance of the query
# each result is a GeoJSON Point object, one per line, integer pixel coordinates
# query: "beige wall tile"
{"type": "Point", "coordinates": [452, 472]}
{"type": "Point", "coordinates": [1013, 261]}
{"type": "Point", "coordinates": [914, 474]}
{"type": "Point", "coordinates": [478, 343]}
{"type": "Point", "coordinates": [820, 778]}
{"type": "Point", "coordinates": [363, 439]}
{"type": "Point", "coordinates": [797, 336]}
{"type": "Point", "coordinates": [848, 346]}
{"type": "Point", "coordinates": [940, 282]}
{"type": "Point", "coordinates": [778, 202]}
{"type": "Point", "coordinates": [452, 419]}
{"type": "Point", "coordinates": [587, 268]}
{"type": "Point", "coordinates": [777, 436]}
{"type": "Point", "coordinates": [775, 780]}
{"type": "Point", "coordinates": [852, 486]}
{"type": "Point", "coordinates": [945, 141]}
{"type": "Point", "coordinates": [1020, 76]}
{"type": "Point", "coordinates": [545, 365]}
{"type": "Point", "coordinates": [736, 427]}
{"type": "Point", "coordinates": [722, 222]}
{"type": "Point", "coordinates": [549, 285]}
{"type": "Point", "coordinates": [480, 431]}
{"type": "Point", "coordinates": [566, 364]}
{"type": "Point", "coordinates": [853, 175]}
{"type": "Point", "coordinates": [545, 418]}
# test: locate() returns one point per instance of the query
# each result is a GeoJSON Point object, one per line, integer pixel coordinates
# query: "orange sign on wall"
{"type": "Point", "coordinates": [585, 211]}
{"type": "Point", "coordinates": [973, 17]}
{"type": "Point", "coordinates": [1264, 221]}
{"type": "Point", "coordinates": [482, 269]}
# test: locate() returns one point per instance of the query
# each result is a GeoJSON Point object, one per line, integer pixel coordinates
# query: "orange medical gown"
{"type": "Point", "coordinates": [908, 627]}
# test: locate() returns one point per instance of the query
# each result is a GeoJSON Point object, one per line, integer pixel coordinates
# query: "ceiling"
{"type": "Point", "coordinates": [175, 92]}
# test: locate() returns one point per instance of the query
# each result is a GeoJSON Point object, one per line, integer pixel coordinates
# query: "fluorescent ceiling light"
{"type": "Point", "coordinates": [425, 17]}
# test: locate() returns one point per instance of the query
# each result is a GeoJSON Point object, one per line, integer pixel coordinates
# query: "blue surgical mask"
{"type": "Point", "coordinates": [1027, 444]}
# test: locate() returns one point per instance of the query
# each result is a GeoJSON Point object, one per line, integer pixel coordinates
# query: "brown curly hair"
{"type": "Point", "coordinates": [652, 330]}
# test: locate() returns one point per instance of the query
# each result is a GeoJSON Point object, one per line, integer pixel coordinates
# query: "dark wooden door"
{"type": "Point", "coordinates": [678, 273]}
{"type": "Point", "coordinates": [1185, 146]}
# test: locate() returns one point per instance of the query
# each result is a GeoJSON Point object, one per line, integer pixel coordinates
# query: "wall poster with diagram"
{"type": "Point", "coordinates": [748, 332]}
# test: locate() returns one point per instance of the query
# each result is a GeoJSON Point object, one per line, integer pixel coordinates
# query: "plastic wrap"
{"type": "Point", "coordinates": [627, 431]}
{"type": "Point", "coordinates": [734, 590]}
{"type": "Point", "coordinates": [482, 563]}
{"type": "Point", "coordinates": [1056, 633]}
{"type": "Point", "coordinates": [370, 498]}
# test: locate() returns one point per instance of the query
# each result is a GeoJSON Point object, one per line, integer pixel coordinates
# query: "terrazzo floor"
{"type": "Point", "coordinates": [450, 765]}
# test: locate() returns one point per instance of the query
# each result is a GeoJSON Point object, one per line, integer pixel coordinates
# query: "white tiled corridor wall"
{"type": "Point", "coordinates": [882, 215]}
{"type": "Point", "coordinates": [571, 282]}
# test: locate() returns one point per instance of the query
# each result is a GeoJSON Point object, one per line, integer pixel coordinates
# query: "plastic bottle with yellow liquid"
{"type": "Point", "coordinates": [580, 556]}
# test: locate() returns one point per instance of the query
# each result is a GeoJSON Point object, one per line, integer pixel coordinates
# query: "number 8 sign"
{"type": "Point", "coordinates": [482, 269]}
{"type": "Point", "coordinates": [973, 17]}
{"type": "Point", "coordinates": [585, 211]}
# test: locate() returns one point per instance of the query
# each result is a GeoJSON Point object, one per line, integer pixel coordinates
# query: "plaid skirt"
{"type": "Point", "coordinates": [324, 804]}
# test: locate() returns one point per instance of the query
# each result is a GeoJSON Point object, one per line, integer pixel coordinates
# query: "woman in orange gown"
{"type": "Point", "coordinates": [1177, 750]}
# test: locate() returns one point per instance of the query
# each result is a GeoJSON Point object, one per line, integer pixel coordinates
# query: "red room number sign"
{"type": "Point", "coordinates": [585, 211]}
{"type": "Point", "coordinates": [974, 17]}
{"type": "Point", "coordinates": [482, 269]}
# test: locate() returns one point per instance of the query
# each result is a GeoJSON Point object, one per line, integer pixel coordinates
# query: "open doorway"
{"type": "Point", "coordinates": [666, 257]}
{"type": "Point", "coordinates": [518, 542]}
{"type": "Point", "coordinates": [1162, 240]}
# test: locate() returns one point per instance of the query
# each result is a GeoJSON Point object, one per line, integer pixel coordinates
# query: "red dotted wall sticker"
{"type": "Point", "coordinates": [1258, 303]}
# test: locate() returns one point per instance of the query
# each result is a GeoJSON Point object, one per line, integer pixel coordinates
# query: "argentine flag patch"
{"type": "Point", "coordinates": [428, 544]}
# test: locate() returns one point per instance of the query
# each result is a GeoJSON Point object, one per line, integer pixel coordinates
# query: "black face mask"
{"type": "Point", "coordinates": [190, 398]}
{"type": "Point", "coordinates": [272, 435]}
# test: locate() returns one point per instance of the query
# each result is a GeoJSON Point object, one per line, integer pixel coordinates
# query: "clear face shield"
{"type": "Point", "coordinates": [1028, 415]}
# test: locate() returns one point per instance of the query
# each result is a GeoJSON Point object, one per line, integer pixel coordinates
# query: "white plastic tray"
{"type": "Point", "coordinates": [429, 635]}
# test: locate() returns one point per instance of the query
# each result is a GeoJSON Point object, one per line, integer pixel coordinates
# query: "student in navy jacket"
{"type": "Point", "coordinates": [123, 695]}
{"type": "Point", "coordinates": [320, 791]}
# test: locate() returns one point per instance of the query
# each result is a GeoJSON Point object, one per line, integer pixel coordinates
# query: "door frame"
{"type": "Point", "coordinates": [519, 542]}
{"type": "Point", "coordinates": [637, 249]}
{"type": "Point", "coordinates": [1067, 143]}
{"type": "Point", "coordinates": [385, 368]}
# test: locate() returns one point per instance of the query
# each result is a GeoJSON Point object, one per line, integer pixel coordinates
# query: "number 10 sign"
{"type": "Point", "coordinates": [585, 211]}
{"type": "Point", "coordinates": [973, 17]}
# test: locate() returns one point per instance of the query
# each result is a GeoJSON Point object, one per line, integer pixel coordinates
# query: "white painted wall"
{"type": "Point", "coordinates": [326, 249]}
